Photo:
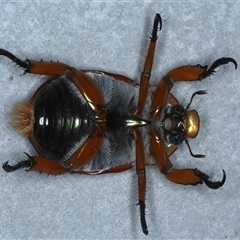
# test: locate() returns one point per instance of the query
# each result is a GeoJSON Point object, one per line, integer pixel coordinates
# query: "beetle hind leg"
{"type": "Point", "coordinates": [39, 164]}
{"type": "Point", "coordinates": [37, 67]}
{"type": "Point", "coordinates": [19, 62]}
{"type": "Point", "coordinates": [26, 164]}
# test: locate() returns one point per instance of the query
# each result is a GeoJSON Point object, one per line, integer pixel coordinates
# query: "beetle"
{"type": "Point", "coordinates": [95, 122]}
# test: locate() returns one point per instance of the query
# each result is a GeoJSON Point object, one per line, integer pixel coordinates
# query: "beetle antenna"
{"type": "Point", "coordinates": [201, 92]}
{"type": "Point", "coordinates": [191, 153]}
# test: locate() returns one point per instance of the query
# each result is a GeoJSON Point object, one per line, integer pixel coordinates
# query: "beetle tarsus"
{"type": "Point", "coordinates": [213, 185]}
{"type": "Point", "coordinates": [8, 168]}
{"type": "Point", "coordinates": [217, 63]}
{"type": "Point", "coordinates": [222, 61]}
{"type": "Point", "coordinates": [142, 216]}
{"type": "Point", "coordinates": [157, 25]}
{"type": "Point", "coordinates": [19, 62]}
{"type": "Point", "coordinates": [26, 164]}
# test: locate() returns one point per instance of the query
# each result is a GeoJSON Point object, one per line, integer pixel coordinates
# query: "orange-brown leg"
{"type": "Point", "coordinates": [82, 156]}
{"type": "Point", "coordinates": [46, 68]}
{"type": "Point", "coordinates": [36, 67]}
{"type": "Point", "coordinates": [89, 90]}
{"type": "Point", "coordinates": [86, 151]}
{"type": "Point", "coordinates": [160, 97]}
{"type": "Point", "coordinates": [115, 169]}
{"type": "Point", "coordinates": [50, 166]}
{"type": "Point", "coordinates": [85, 84]}
{"type": "Point", "coordinates": [145, 76]}
{"type": "Point", "coordinates": [140, 169]}
{"type": "Point", "coordinates": [117, 77]}
{"type": "Point", "coordinates": [184, 73]}
{"type": "Point", "coordinates": [35, 163]}
{"type": "Point", "coordinates": [180, 176]}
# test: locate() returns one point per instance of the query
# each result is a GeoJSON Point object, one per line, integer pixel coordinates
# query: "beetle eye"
{"type": "Point", "coordinates": [175, 138]}
{"type": "Point", "coordinates": [178, 112]}
{"type": "Point", "coordinates": [173, 124]}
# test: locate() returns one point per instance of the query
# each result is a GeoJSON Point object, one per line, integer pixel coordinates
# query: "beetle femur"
{"type": "Point", "coordinates": [23, 118]}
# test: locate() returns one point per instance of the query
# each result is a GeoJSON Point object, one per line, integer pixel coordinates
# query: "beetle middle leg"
{"type": "Point", "coordinates": [140, 169]}
{"type": "Point", "coordinates": [144, 83]}
{"type": "Point", "coordinates": [145, 76]}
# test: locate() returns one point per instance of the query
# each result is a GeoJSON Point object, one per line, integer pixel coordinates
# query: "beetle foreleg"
{"type": "Point", "coordinates": [217, 63]}
{"type": "Point", "coordinates": [140, 169]}
{"type": "Point", "coordinates": [210, 184]}
{"type": "Point", "coordinates": [184, 73]}
{"type": "Point", "coordinates": [197, 72]}
{"type": "Point", "coordinates": [193, 177]}
{"type": "Point", "coordinates": [180, 176]}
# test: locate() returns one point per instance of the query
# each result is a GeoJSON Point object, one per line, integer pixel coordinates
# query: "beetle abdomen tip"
{"type": "Point", "coordinates": [22, 118]}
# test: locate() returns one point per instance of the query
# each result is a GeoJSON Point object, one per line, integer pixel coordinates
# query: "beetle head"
{"type": "Point", "coordinates": [175, 124]}
{"type": "Point", "coordinates": [191, 124]}
{"type": "Point", "coordinates": [180, 124]}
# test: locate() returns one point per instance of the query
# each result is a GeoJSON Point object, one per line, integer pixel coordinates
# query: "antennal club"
{"type": "Point", "coordinates": [201, 92]}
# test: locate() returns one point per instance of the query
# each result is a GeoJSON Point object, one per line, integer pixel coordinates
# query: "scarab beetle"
{"type": "Point", "coordinates": [94, 122]}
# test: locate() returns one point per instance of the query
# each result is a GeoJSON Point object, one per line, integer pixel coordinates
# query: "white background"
{"type": "Point", "coordinates": [114, 37]}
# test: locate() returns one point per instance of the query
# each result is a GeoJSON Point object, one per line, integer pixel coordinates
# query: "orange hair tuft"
{"type": "Point", "coordinates": [23, 118]}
